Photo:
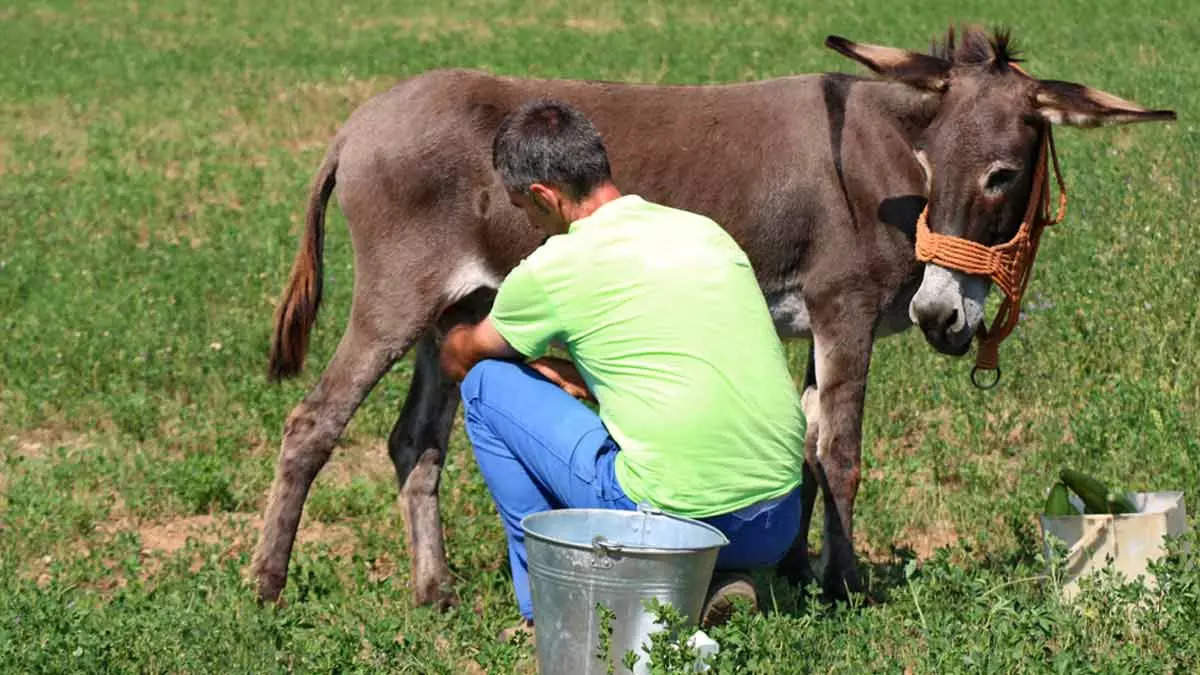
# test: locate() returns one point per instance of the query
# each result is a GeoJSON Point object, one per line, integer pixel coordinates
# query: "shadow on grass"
{"type": "Point", "coordinates": [888, 579]}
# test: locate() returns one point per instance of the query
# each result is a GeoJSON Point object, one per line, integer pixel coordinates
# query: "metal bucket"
{"type": "Point", "coordinates": [579, 558]}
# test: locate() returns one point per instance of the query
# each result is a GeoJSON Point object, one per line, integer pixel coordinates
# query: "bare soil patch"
{"type": "Point", "coordinates": [357, 458]}
{"type": "Point", "coordinates": [52, 121]}
{"type": "Point", "coordinates": [233, 534]}
{"type": "Point", "coordinates": [300, 117]}
{"type": "Point", "coordinates": [36, 444]}
{"type": "Point", "coordinates": [594, 25]}
{"type": "Point", "coordinates": [934, 422]}
{"type": "Point", "coordinates": [426, 28]}
{"type": "Point", "coordinates": [236, 532]}
{"type": "Point", "coordinates": [924, 542]}
{"type": "Point", "coordinates": [921, 540]}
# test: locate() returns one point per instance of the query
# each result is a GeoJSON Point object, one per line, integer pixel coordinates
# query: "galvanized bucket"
{"type": "Point", "coordinates": [579, 558]}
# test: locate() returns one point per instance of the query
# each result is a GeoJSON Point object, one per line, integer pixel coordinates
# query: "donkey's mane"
{"type": "Point", "coordinates": [978, 48]}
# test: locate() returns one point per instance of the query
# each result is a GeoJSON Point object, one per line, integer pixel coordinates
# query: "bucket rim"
{"type": "Point", "coordinates": [630, 548]}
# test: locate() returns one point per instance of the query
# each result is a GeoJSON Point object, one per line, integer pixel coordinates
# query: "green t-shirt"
{"type": "Point", "coordinates": [661, 313]}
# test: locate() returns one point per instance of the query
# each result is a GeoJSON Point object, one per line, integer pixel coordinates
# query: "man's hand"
{"type": "Point", "coordinates": [564, 374]}
{"type": "Point", "coordinates": [466, 344]}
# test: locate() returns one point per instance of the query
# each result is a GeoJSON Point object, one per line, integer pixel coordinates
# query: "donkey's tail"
{"type": "Point", "coordinates": [297, 311]}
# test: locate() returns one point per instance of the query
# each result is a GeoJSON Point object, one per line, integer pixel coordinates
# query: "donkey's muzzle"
{"type": "Point", "coordinates": [1008, 265]}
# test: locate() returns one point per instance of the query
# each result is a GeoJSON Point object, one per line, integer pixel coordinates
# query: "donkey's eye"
{"type": "Point", "coordinates": [1000, 180]}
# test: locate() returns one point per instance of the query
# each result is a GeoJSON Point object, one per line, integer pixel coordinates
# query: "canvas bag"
{"type": "Point", "coordinates": [1130, 540]}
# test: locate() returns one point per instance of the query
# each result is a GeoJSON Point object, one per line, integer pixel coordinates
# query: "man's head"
{"type": "Point", "coordinates": [552, 161]}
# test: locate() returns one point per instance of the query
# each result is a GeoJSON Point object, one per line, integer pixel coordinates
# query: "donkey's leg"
{"type": "Point", "coordinates": [795, 566]}
{"type": "Point", "coordinates": [309, 435]}
{"type": "Point", "coordinates": [842, 345]}
{"type": "Point", "coordinates": [417, 446]}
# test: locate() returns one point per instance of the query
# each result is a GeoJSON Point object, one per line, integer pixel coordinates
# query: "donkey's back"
{"type": "Point", "coordinates": [766, 159]}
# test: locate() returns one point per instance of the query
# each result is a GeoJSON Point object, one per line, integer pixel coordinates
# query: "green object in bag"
{"type": "Point", "coordinates": [1058, 503]}
{"type": "Point", "coordinates": [1093, 492]}
{"type": "Point", "coordinates": [1120, 502]}
{"type": "Point", "coordinates": [1096, 496]}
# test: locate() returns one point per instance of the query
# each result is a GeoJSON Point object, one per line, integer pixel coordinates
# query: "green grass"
{"type": "Point", "coordinates": [155, 161]}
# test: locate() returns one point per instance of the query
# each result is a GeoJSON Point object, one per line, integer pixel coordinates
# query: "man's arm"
{"type": "Point", "coordinates": [467, 344]}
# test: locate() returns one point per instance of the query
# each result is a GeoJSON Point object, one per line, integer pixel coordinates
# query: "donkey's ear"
{"type": "Point", "coordinates": [1080, 106]}
{"type": "Point", "coordinates": [918, 70]}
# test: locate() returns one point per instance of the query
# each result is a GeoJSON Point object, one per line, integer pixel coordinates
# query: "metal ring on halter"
{"type": "Point", "coordinates": [975, 380]}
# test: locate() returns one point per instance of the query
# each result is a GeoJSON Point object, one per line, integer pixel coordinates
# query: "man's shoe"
{"type": "Point", "coordinates": [523, 627]}
{"type": "Point", "coordinates": [725, 587]}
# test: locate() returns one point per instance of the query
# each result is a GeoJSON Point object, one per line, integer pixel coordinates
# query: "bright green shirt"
{"type": "Point", "coordinates": [662, 315]}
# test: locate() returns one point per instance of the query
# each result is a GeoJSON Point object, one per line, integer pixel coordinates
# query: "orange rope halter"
{"type": "Point", "coordinates": [1008, 265]}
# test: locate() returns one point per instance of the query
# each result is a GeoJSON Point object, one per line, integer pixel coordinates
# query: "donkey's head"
{"type": "Point", "coordinates": [979, 154]}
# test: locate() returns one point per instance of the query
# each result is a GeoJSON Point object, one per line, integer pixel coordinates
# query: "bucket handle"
{"type": "Point", "coordinates": [646, 508]}
{"type": "Point", "coordinates": [1077, 554]}
{"type": "Point", "coordinates": [603, 552]}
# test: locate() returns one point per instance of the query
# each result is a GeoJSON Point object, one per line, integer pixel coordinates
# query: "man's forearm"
{"type": "Point", "coordinates": [455, 356]}
{"type": "Point", "coordinates": [468, 344]}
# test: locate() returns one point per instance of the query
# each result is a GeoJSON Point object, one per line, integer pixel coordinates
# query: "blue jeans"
{"type": "Point", "coordinates": [540, 449]}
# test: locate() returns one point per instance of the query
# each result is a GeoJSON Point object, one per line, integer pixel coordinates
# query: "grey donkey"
{"type": "Point", "coordinates": [820, 178]}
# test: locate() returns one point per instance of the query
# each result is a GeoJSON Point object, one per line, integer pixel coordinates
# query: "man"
{"type": "Point", "coordinates": [668, 333]}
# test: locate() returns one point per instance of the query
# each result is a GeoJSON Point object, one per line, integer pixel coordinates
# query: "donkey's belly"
{"type": "Point", "coordinates": [790, 315]}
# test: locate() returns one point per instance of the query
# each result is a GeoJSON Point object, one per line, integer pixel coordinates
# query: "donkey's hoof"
{"type": "Point", "coordinates": [838, 587]}
{"type": "Point", "coordinates": [439, 595]}
{"type": "Point", "coordinates": [270, 589]}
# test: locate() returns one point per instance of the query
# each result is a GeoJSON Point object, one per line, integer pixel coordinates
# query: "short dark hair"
{"type": "Point", "coordinates": [548, 141]}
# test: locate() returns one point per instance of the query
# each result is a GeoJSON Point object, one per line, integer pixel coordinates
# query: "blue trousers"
{"type": "Point", "coordinates": [540, 449]}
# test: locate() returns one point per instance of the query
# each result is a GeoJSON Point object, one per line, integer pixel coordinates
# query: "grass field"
{"type": "Point", "coordinates": [155, 159]}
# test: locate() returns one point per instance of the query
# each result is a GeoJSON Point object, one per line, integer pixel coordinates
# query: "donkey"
{"type": "Point", "coordinates": [820, 178]}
